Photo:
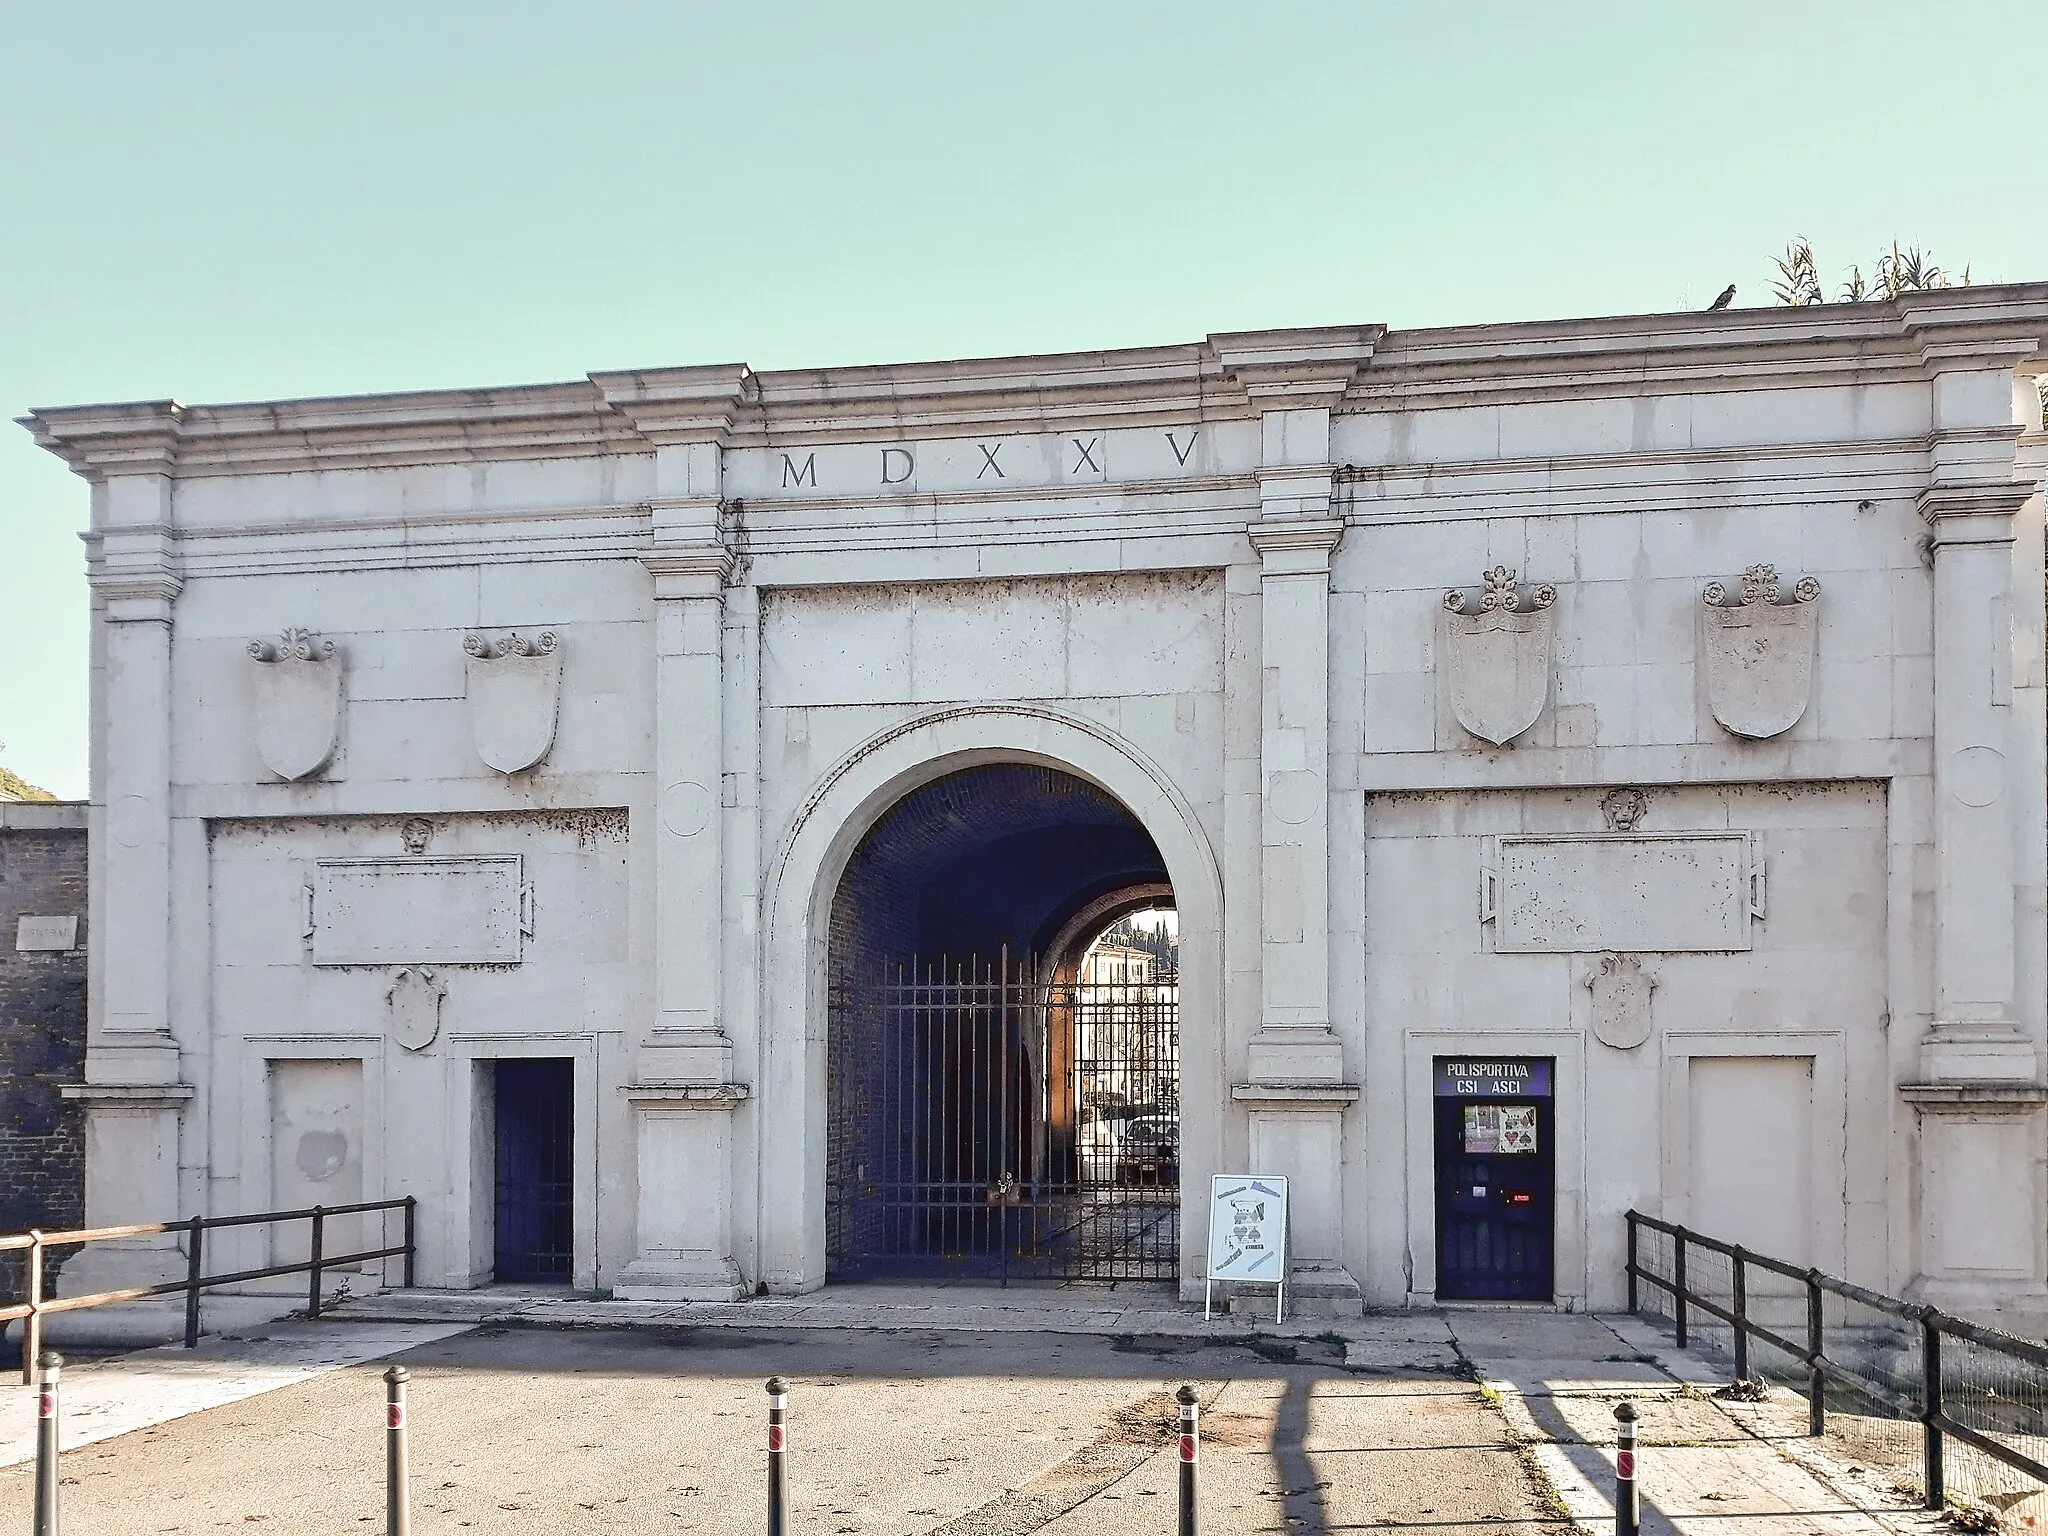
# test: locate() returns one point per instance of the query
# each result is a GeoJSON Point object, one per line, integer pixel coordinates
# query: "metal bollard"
{"type": "Point", "coordinates": [397, 1492]}
{"type": "Point", "coordinates": [1627, 1509]}
{"type": "Point", "coordinates": [46, 1444]}
{"type": "Point", "coordinates": [778, 1450]}
{"type": "Point", "coordinates": [1190, 1456]}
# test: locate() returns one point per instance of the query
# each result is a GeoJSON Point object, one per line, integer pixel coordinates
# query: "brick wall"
{"type": "Point", "coordinates": [42, 1020]}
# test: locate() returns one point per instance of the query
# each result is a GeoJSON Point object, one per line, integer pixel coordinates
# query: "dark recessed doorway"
{"type": "Point", "coordinates": [535, 1174]}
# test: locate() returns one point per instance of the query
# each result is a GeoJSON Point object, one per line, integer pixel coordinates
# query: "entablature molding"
{"type": "Point", "coordinates": [1230, 375]}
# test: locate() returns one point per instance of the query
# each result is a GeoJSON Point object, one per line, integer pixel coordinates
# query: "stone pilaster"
{"type": "Point", "coordinates": [135, 1104]}
{"type": "Point", "coordinates": [1976, 1033]}
{"type": "Point", "coordinates": [1296, 1092]}
{"type": "Point", "coordinates": [683, 1089]}
{"type": "Point", "coordinates": [1978, 1112]}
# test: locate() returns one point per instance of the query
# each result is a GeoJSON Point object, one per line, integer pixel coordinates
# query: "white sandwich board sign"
{"type": "Point", "coordinates": [1247, 1234]}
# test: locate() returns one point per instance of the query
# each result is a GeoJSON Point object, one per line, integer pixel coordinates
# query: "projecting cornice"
{"type": "Point", "coordinates": [1233, 375]}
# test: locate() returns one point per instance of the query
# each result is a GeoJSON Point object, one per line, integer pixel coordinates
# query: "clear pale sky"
{"type": "Point", "coordinates": [231, 201]}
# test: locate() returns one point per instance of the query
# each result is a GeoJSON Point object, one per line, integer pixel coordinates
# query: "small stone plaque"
{"type": "Point", "coordinates": [33, 933]}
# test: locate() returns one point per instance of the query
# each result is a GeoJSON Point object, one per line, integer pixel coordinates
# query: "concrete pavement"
{"type": "Point", "coordinates": [963, 1412]}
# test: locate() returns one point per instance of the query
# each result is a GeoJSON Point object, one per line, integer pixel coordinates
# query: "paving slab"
{"type": "Point", "coordinates": [104, 1398]}
{"type": "Point", "coordinates": [1703, 1466]}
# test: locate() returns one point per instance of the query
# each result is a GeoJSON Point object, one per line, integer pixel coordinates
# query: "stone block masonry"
{"type": "Point", "coordinates": [42, 1019]}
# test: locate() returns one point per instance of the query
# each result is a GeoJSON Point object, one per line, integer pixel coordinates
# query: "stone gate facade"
{"type": "Point", "coordinates": [1643, 712]}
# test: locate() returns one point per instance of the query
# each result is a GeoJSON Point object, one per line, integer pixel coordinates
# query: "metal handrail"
{"type": "Point", "coordinates": [35, 1306]}
{"type": "Point", "coordinates": [1933, 1323]}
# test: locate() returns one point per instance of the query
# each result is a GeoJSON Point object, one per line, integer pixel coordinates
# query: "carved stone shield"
{"type": "Point", "coordinates": [1497, 657]}
{"type": "Point", "coordinates": [298, 703]}
{"type": "Point", "coordinates": [1758, 652]}
{"type": "Point", "coordinates": [415, 999]}
{"type": "Point", "coordinates": [515, 690]}
{"type": "Point", "coordinates": [1621, 988]}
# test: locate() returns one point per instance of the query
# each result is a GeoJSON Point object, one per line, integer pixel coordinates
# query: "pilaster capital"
{"type": "Point", "coordinates": [1973, 512]}
{"type": "Point", "coordinates": [99, 441]}
{"type": "Point", "coordinates": [1296, 546]}
{"type": "Point", "coordinates": [668, 406]}
{"type": "Point", "coordinates": [1296, 369]}
{"type": "Point", "coordinates": [136, 597]}
{"type": "Point", "coordinates": [698, 570]}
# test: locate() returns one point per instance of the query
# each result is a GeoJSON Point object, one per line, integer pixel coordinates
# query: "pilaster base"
{"type": "Point", "coordinates": [1979, 1169]}
{"type": "Point", "coordinates": [1296, 1056]}
{"type": "Point", "coordinates": [1976, 1053]}
{"type": "Point", "coordinates": [1315, 1288]}
{"type": "Point", "coordinates": [680, 1277]}
{"type": "Point", "coordinates": [131, 1177]}
{"type": "Point", "coordinates": [685, 1174]}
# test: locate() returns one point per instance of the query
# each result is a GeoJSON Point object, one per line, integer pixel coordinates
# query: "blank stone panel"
{"type": "Point", "coordinates": [453, 911]}
{"type": "Point", "coordinates": [1566, 895]}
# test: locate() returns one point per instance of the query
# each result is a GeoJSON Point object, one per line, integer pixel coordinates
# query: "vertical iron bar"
{"type": "Point", "coordinates": [1816, 1382]}
{"type": "Point", "coordinates": [412, 1245]}
{"type": "Point", "coordinates": [1678, 1296]}
{"type": "Point", "coordinates": [313, 1263]}
{"type": "Point", "coordinates": [397, 1490]}
{"type": "Point", "coordinates": [1004, 1171]}
{"type": "Point", "coordinates": [1633, 1230]}
{"type": "Point", "coordinates": [1741, 1310]}
{"type": "Point", "coordinates": [1930, 1413]}
{"type": "Point", "coordinates": [778, 1450]}
{"type": "Point", "coordinates": [32, 1325]}
{"type": "Point", "coordinates": [194, 1242]}
{"type": "Point", "coordinates": [52, 1365]}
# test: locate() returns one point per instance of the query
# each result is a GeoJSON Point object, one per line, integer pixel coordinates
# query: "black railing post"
{"type": "Point", "coordinates": [313, 1263]}
{"type": "Point", "coordinates": [397, 1490]}
{"type": "Point", "coordinates": [194, 1241]}
{"type": "Point", "coordinates": [778, 1452]}
{"type": "Point", "coordinates": [1678, 1293]}
{"type": "Point", "coordinates": [1190, 1456]}
{"type": "Point", "coordinates": [1930, 1412]}
{"type": "Point", "coordinates": [411, 1236]}
{"type": "Point", "coordinates": [1816, 1382]}
{"type": "Point", "coordinates": [1740, 1290]}
{"type": "Point", "coordinates": [52, 1364]}
{"type": "Point", "coordinates": [1632, 1262]}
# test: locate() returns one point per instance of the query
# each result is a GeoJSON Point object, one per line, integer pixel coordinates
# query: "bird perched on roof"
{"type": "Point", "coordinates": [1727, 298]}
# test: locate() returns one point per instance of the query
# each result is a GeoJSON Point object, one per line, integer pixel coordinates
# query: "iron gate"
{"type": "Point", "coordinates": [988, 1122]}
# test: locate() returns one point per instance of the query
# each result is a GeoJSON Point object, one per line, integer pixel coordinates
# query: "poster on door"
{"type": "Point", "coordinates": [1497, 1129]}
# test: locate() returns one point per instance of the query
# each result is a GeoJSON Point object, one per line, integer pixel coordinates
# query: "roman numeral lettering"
{"type": "Point", "coordinates": [988, 461]}
{"type": "Point", "coordinates": [1087, 455]}
{"type": "Point", "coordinates": [1180, 454]}
{"type": "Point", "coordinates": [808, 475]}
{"type": "Point", "coordinates": [889, 457]}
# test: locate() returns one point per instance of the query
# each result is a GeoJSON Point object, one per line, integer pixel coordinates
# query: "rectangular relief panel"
{"type": "Point", "coordinates": [1678, 892]}
{"type": "Point", "coordinates": [418, 911]}
{"type": "Point", "coordinates": [316, 1155]}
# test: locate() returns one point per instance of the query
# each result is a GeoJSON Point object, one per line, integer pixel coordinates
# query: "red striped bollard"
{"type": "Point", "coordinates": [397, 1500]}
{"type": "Point", "coordinates": [778, 1457]}
{"type": "Point", "coordinates": [46, 1444]}
{"type": "Point", "coordinates": [1190, 1456]}
{"type": "Point", "coordinates": [1627, 1511]}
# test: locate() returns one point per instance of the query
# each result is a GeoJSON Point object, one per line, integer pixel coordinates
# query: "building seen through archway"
{"type": "Point", "coordinates": [1003, 1056]}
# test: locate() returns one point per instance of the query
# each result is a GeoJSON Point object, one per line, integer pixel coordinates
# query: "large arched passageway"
{"type": "Point", "coordinates": [1002, 1091]}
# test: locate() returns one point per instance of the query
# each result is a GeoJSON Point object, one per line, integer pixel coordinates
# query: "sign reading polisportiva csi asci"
{"type": "Point", "coordinates": [1486, 1077]}
{"type": "Point", "coordinates": [1248, 1228]}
